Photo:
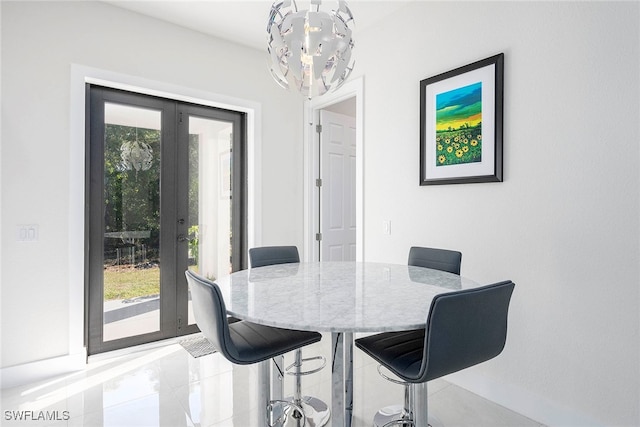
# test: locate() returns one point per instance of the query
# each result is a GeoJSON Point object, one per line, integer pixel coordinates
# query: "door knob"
{"type": "Point", "coordinates": [183, 238]}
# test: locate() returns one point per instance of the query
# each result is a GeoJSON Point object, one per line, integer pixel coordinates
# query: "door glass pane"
{"type": "Point", "coordinates": [131, 221]}
{"type": "Point", "coordinates": [209, 198]}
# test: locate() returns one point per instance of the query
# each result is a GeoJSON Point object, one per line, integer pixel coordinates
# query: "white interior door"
{"type": "Point", "coordinates": [338, 189]}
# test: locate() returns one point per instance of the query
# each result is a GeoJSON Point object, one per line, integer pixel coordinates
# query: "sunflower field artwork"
{"type": "Point", "coordinates": [459, 126]}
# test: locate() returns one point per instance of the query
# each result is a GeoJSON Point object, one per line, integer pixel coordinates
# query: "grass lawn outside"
{"type": "Point", "coordinates": [129, 282]}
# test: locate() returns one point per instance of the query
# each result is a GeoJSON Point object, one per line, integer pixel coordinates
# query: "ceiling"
{"type": "Point", "coordinates": [245, 21]}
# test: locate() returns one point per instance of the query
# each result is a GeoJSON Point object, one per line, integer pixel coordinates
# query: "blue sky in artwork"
{"type": "Point", "coordinates": [466, 95]}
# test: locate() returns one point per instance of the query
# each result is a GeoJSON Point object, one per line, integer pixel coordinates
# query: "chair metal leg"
{"type": "Point", "coordinates": [315, 411]}
{"type": "Point", "coordinates": [402, 417]}
{"type": "Point", "coordinates": [277, 388]}
{"type": "Point", "coordinates": [409, 402]}
{"type": "Point", "coordinates": [281, 412]}
{"type": "Point", "coordinates": [297, 390]}
{"type": "Point", "coordinates": [288, 414]}
{"type": "Point", "coordinates": [421, 404]}
{"type": "Point", "coordinates": [414, 412]}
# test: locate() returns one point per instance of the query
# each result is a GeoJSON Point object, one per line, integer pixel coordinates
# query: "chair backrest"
{"type": "Point", "coordinates": [271, 255]}
{"type": "Point", "coordinates": [438, 259]}
{"type": "Point", "coordinates": [465, 328]}
{"type": "Point", "coordinates": [211, 314]}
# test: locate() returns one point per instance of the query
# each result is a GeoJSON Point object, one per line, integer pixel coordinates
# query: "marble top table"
{"type": "Point", "coordinates": [341, 298]}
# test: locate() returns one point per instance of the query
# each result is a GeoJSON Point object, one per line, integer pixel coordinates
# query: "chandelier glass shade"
{"type": "Point", "coordinates": [136, 155]}
{"type": "Point", "coordinates": [310, 50]}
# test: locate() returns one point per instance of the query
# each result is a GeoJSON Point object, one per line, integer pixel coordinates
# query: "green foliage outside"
{"type": "Point", "coordinates": [132, 203]}
{"type": "Point", "coordinates": [193, 243]}
{"type": "Point", "coordinates": [194, 162]}
{"type": "Point", "coordinates": [131, 197]}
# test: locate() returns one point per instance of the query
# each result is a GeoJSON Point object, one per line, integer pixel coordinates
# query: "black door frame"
{"type": "Point", "coordinates": [173, 206]}
{"type": "Point", "coordinates": [238, 192]}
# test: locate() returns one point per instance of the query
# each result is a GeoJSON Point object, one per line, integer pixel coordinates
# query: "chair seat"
{"type": "Point", "coordinates": [400, 352]}
{"type": "Point", "coordinates": [255, 343]}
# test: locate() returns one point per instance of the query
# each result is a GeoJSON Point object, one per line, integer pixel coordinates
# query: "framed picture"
{"type": "Point", "coordinates": [461, 124]}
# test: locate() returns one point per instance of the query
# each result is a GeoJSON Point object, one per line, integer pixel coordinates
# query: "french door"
{"type": "Point", "coordinates": [166, 192]}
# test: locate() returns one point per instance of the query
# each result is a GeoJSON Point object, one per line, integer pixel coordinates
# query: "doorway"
{"type": "Point", "coordinates": [347, 101]}
{"type": "Point", "coordinates": [166, 192]}
{"type": "Point", "coordinates": [337, 187]}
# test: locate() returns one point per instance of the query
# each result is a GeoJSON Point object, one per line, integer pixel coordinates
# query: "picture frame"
{"type": "Point", "coordinates": [461, 114]}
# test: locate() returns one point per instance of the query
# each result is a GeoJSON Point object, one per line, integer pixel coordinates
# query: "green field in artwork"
{"type": "Point", "coordinates": [459, 146]}
{"type": "Point", "coordinates": [459, 125]}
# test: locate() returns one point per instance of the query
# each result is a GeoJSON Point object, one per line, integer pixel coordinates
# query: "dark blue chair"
{"type": "Point", "coordinates": [317, 411]}
{"type": "Point", "coordinates": [241, 342]}
{"type": "Point", "coordinates": [438, 259]}
{"type": "Point", "coordinates": [463, 328]}
{"type": "Point", "coordinates": [272, 255]}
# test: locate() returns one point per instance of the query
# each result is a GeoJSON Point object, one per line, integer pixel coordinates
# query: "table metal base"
{"type": "Point", "coordinates": [342, 379]}
{"type": "Point", "coordinates": [392, 413]}
{"type": "Point", "coordinates": [315, 410]}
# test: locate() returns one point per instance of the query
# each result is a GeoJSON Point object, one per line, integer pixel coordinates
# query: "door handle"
{"type": "Point", "coordinates": [183, 238]}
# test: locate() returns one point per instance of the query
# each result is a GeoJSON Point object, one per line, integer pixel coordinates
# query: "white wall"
{"type": "Point", "coordinates": [40, 42]}
{"type": "Point", "coordinates": [564, 224]}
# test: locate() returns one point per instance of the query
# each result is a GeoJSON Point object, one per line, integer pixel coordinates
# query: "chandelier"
{"type": "Point", "coordinates": [310, 50]}
{"type": "Point", "coordinates": [136, 155]}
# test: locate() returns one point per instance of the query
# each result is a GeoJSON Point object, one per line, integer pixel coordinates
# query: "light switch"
{"type": "Point", "coordinates": [386, 227]}
{"type": "Point", "coordinates": [27, 233]}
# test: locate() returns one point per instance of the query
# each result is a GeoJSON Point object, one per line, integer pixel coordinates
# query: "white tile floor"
{"type": "Point", "coordinates": [165, 386]}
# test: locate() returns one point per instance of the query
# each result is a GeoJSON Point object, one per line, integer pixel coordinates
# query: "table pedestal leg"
{"type": "Point", "coordinates": [342, 379]}
{"type": "Point", "coordinates": [264, 392]}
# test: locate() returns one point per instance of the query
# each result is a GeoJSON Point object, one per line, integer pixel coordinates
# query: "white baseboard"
{"type": "Point", "coordinates": [14, 376]}
{"type": "Point", "coordinates": [536, 407]}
